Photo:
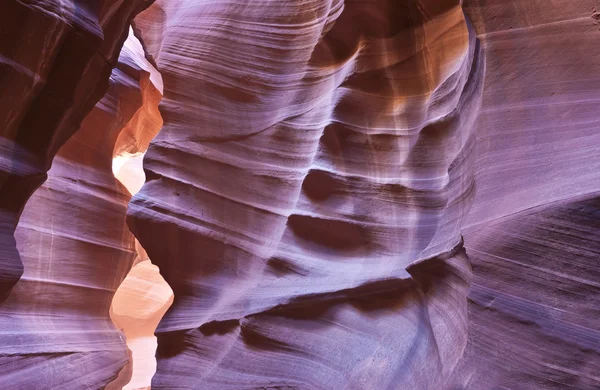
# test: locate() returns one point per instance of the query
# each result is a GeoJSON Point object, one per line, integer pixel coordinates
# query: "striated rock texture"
{"type": "Point", "coordinates": [532, 234]}
{"type": "Point", "coordinates": [55, 60]}
{"type": "Point", "coordinates": [345, 194]}
{"type": "Point", "coordinates": [56, 332]}
{"type": "Point", "coordinates": [311, 153]}
{"type": "Point", "coordinates": [538, 127]}
{"type": "Point", "coordinates": [534, 301]}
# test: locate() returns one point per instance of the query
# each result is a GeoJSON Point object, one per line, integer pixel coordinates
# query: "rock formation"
{"type": "Point", "coordinates": [55, 58]}
{"type": "Point", "coordinates": [533, 229]}
{"type": "Point", "coordinates": [344, 194]}
{"type": "Point", "coordinates": [300, 187]}
{"type": "Point", "coordinates": [76, 248]}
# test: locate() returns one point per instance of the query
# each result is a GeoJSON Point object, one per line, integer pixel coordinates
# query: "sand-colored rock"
{"type": "Point", "coordinates": [138, 305]}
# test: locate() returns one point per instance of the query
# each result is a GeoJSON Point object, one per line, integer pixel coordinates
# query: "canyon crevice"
{"type": "Point", "coordinates": [76, 248]}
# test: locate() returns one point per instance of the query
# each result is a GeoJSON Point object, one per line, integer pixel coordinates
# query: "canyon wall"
{"type": "Point", "coordinates": [344, 194]}
{"type": "Point", "coordinates": [305, 195]}
{"type": "Point", "coordinates": [532, 234]}
{"type": "Point", "coordinates": [55, 61]}
{"type": "Point", "coordinates": [76, 249]}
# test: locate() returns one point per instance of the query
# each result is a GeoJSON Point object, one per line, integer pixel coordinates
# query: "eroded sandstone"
{"type": "Point", "coordinates": [345, 194]}
{"type": "Point", "coordinates": [77, 249]}
{"type": "Point", "coordinates": [310, 173]}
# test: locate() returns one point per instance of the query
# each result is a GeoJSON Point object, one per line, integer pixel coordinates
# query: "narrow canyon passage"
{"type": "Point", "coordinates": [143, 297]}
{"type": "Point", "coordinates": [76, 250]}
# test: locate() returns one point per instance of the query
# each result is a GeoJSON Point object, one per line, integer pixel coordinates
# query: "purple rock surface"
{"type": "Point", "coordinates": [343, 194]}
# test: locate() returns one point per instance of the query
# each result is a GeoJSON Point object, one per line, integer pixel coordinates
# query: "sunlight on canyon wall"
{"type": "Point", "coordinates": [144, 296]}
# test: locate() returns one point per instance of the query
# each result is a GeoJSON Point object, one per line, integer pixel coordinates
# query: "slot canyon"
{"type": "Point", "coordinates": [299, 194]}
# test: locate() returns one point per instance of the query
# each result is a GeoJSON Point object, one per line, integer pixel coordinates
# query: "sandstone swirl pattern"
{"type": "Point", "coordinates": [76, 249]}
{"type": "Point", "coordinates": [55, 60]}
{"type": "Point", "coordinates": [319, 163]}
{"type": "Point", "coordinates": [312, 152]}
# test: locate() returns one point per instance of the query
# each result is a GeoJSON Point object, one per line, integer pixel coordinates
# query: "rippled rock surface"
{"type": "Point", "coordinates": [55, 61]}
{"type": "Point", "coordinates": [344, 194]}
{"type": "Point", "coordinates": [314, 164]}
{"type": "Point", "coordinates": [55, 328]}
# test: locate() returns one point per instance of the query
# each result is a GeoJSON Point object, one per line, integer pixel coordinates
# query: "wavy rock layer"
{"type": "Point", "coordinates": [533, 231]}
{"type": "Point", "coordinates": [311, 153]}
{"type": "Point", "coordinates": [55, 61]}
{"type": "Point", "coordinates": [56, 332]}
{"type": "Point", "coordinates": [306, 197]}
